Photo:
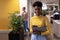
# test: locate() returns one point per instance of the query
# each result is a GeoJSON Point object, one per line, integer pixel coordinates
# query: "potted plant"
{"type": "Point", "coordinates": [16, 25]}
{"type": "Point", "coordinates": [44, 12]}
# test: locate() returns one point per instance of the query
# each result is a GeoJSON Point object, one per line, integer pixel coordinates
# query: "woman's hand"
{"type": "Point", "coordinates": [37, 33]}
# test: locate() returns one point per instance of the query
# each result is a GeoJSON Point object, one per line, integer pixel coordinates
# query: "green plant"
{"type": "Point", "coordinates": [44, 12]}
{"type": "Point", "coordinates": [15, 22]}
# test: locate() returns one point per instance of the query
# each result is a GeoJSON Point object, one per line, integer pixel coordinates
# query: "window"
{"type": "Point", "coordinates": [23, 3]}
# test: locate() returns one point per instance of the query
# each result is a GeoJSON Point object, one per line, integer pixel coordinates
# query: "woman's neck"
{"type": "Point", "coordinates": [38, 14]}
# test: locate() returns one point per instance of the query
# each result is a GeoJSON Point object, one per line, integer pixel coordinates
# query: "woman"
{"type": "Point", "coordinates": [38, 21]}
{"type": "Point", "coordinates": [25, 19]}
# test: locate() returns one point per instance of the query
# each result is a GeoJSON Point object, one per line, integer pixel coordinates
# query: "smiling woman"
{"type": "Point", "coordinates": [7, 6]}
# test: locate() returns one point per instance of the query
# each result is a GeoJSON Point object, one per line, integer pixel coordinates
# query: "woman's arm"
{"type": "Point", "coordinates": [48, 27]}
{"type": "Point", "coordinates": [30, 26]}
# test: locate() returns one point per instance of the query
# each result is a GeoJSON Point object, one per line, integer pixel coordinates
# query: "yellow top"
{"type": "Point", "coordinates": [39, 21]}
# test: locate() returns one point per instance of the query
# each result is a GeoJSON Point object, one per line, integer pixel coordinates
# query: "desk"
{"type": "Point", "coordinates": [56, 26]}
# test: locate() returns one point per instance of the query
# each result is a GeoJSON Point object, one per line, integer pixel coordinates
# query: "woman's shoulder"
{"type": "Point", "coordinates": [44, 16]}
{"type": "Point", "coordinates": [32, 18]}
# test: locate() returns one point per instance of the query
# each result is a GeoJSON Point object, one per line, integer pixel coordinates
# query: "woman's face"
{"type": "Point", "coordinates": [23, 8]}
{"type": "Point", "coordinates": [38, 10]}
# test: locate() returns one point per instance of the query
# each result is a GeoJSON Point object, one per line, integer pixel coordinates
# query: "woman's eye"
{"type": "Point", "coordinates": [35, 9]}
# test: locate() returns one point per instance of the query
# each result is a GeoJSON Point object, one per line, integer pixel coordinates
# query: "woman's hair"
{"type": "Point", "coordinates": [37, 3]}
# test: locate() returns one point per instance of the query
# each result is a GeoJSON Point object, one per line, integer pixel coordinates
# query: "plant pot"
{"type": "Point", "coordinates": [16, 36]}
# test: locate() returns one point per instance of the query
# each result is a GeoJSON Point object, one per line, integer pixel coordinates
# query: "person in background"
{"type": "Point", "coordinates": [25, 19]}
{"type": "Point", "coordinates": [38, 21]}
{"type": "Point", "coordinates": [56, 15]}
{"type": "Point", "coordinates": [56, 9]}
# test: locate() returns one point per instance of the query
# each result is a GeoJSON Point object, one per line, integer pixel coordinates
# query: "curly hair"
{"type": "Point", "coordinates": [37, 3]}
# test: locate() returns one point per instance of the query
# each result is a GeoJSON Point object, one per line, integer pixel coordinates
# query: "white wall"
{"type": "Point", "coordinates": [23, 3]}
